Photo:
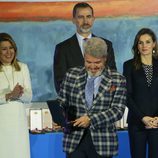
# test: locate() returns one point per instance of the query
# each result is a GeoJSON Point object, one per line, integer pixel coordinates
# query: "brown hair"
{"type": "Point", "coordinates": [81, 5]}
{"type": "Point", "coordinates": [137, 58]}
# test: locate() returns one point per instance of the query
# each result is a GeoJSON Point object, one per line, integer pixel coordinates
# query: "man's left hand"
{"type": "Point", "coordinates": [83, 121]}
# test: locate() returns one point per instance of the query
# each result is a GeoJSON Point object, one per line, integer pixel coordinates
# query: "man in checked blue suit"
{"type": "Point", "coordinates": [93, 134]}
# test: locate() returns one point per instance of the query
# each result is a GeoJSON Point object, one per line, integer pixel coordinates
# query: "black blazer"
{"type": "Point", "coordinates": [68, 54]}
{"type": "Point", "coordinates": [141, 99]}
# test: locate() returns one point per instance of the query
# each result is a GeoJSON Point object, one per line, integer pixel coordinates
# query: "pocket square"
{"type": "Point", "coordinates": [112, 88]}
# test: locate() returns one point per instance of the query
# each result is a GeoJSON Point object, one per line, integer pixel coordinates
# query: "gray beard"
{"type": "Point", "coordinates": [85, 30]}
{"type": "Point", "coordinates": [94, 75]}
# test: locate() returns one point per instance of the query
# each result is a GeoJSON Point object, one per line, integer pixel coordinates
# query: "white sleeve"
{"type": "Point", "coordinates": [4, 89]}
{"type": "Point", "coordinates": [2, 98]}
{"type": "Point", "coordinates": [27, 95]}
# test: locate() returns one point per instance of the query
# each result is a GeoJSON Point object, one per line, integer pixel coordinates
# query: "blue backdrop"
{"type": "Point", "coordinates": [36, 43]}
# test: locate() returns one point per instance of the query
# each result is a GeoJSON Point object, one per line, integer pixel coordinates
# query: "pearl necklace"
{"type": "Point", "coordinates": [10, 81]}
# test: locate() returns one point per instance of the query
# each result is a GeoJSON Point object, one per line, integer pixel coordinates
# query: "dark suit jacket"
{"type": "Point", "coordinates": [141, 100]}
{"type": "Point", "coordinates": [68, 54]}
{"type": "Point", "coordinates": [107, 108]}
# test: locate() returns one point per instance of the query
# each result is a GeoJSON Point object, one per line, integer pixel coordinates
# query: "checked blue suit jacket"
{"type": "Point", "coordinates": [108, 107]}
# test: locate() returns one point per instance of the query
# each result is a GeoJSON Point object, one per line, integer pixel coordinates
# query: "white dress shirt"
{"type": "Point", "coordinates": [81, 40]}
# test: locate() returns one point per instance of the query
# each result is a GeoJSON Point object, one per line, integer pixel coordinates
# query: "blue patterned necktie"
{"type": "Point", "coordinates": [89, 91]}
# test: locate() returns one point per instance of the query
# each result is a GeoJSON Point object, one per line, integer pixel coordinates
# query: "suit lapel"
{"type": "Point", "coordinates": [140, 74]}
{"type": "Point", "coordinates": [75, 48]}
{"type": "Point", "coordinates": [105, 85]}
{"type": "Point", "coordinates": [155, 73]}
{"type": "Point", "coordinates": [82, 77]}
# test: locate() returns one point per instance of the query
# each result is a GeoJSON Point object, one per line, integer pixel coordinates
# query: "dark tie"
{"type": "Point", "coordinates": [89, 91]}
{"type": "Point", "coordinates": [85, 39]}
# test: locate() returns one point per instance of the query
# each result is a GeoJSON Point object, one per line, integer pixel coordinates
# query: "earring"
{"type": "Point", "coordinates": [153, 51]}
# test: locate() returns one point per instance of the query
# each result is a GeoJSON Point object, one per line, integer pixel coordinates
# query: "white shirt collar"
{"type": "Point", "coordinates": [79, 37]}
{"type": "Point", "coordinates": [80, 40]}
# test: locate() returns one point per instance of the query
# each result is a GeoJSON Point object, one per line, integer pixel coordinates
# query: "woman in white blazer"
{"type": "Point", "coordinates": [15, 90]}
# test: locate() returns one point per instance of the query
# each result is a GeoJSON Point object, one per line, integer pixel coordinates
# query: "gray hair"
{"type": "Point", "coordinates": [96, 47]}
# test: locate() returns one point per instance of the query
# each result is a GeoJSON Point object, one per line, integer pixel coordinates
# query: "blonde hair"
{"type": "Point", "coordinates": [14, 63]}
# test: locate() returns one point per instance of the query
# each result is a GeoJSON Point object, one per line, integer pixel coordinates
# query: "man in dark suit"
{"type": "Point", "coordinates": [92, 107]}
{"type": "Point", "coordinates": [69, 53]}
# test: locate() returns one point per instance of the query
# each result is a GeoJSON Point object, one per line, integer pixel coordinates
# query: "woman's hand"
{"type": "Point", "coordinates": [155, 122]}
{"type": "Point", "coordinates": [17, 91]}
{"type": "Point", "coordinates": [150, 122]}
{"type": "Point", "coordinates": [147, 120]}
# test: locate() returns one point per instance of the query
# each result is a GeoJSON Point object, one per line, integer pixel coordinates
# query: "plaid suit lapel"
{"type": "Point", "coordinates": [81, 84]}
{"type": "Point", "coordinates": [105, 85]}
